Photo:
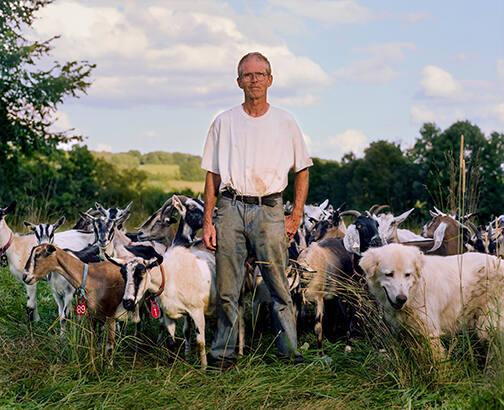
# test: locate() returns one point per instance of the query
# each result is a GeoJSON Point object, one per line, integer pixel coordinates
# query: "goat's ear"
{"type": "Point", "coordinates": [351, 240]}
{"type": "Point", "coordinates": [112, 260]}
{"type": "Point", "coordinates": [59, 222]}
{"type": "Point", "coordinates": [11, 208]}
{"type": "Point", "coordinates": [369, 262]}
{"type": "Point", "coordinates": [86, 215]}
{"type": "Point", "coordinates": [50, 249]}
{"type": "Point", "coordinates": [153, 262]}
{"type": "Point", "coordinates": [324, 204]}
{"type": "Point", "coordinates": [401, 218]}
{"type": "Point", "coordinates": [177, 203]}
{"type": "Point", "coordinates": [29, 225]}
{"type": "Point", "coordinates": [128, 207]}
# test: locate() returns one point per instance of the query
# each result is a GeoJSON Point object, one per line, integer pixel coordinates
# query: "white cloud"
{"type": "Point", "coordinates": [437, 82]}
{"type": "Point", "coordinates": [379, 67]}
{"type": "Point", "coordinates": [420, 115]}
{"type": "Point", "coordinates": [62, 122]}
{"type": "Point", "coordinates": [103, 148]}
{"type": "Point", "coordinates": [171, 53]}
{"type": "Point", "coordinates": [334, 147]}
{"type": "Point", "coordinates": [499, 111]}
{"type": "Point", "coordinates": [328, 11]}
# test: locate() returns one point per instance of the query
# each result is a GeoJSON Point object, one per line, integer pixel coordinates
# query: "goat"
{"type": "Point", "coordinates": [330, 260]}
{"type": "Point", "coordinates": [104, 286]}
{"type": "Point", "coordinates": [190, 290]}
{"type": "Point", "coordinates": [332, 227]}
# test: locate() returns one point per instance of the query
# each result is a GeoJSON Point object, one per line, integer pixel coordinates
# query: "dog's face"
{"type": "Point", "coordinates": [392, 271]}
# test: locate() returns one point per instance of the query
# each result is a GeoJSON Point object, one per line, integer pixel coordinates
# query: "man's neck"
{"type": "Point", "coordinates": [255, 107]}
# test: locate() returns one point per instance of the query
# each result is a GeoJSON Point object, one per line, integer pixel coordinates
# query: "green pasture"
{"type": "Point", "coordinates": [40, 370]}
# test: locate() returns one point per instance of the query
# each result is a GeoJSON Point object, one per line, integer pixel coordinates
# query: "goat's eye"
{"type": "Point", "coordinates": [407, 275]}
{"type": "Point", "coordinates": [389, 274]}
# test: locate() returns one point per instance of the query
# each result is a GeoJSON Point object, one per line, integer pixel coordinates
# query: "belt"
{"type": "Point", "coordinates": [268, 200]}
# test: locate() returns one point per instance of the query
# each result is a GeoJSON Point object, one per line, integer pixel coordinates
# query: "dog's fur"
{"type": "Point", "coordinates": [436, 295]}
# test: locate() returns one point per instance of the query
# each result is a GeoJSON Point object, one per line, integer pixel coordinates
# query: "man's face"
{"type": "Point", "coordinates": [254, 79]}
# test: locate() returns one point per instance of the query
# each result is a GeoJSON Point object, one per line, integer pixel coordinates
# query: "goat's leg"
{"type": "Point", "coordinates": [319, 316]}
{"type": "Point", "coordinates": [187, 337]}
{"type": "Point", "coordinates": [111, 329]}
{"type": "Point", "coordinates": [31, 303]}
{"type": "Point", "coordinates": [199, 324]}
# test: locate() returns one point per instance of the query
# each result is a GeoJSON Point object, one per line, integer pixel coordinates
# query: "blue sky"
{"type": "Point", "coordinates": [351, 72]}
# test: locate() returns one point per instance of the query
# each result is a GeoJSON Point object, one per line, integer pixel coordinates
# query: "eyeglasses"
{"type": "Point", "coordinates": [251, 76]}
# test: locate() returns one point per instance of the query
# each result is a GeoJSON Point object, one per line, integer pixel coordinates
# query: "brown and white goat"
{"type": "Point", "coordinates": [104, 286]}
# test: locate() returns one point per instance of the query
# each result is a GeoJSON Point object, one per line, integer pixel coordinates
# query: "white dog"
{"type": "Point", "coordinates": [436, 295]}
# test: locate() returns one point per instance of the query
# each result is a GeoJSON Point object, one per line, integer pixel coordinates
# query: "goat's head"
{"type": "Point", "coordinates": [115, 214]}
{"type": "Point", "coordinates": [135, 273]}
{"type": "Point", "coordinates": [388, 224]}
{"type": "Point", "coordinates": [314, 214]}
{"type": "Point", "coordinates": [362, 234]}
{"type": "Point", "coordinates": [104, 229]}
{"type": "Point", "coordinates": [156, 227]}
{"type": "Point", "coordinates": [7, 210]}
{"type": "Point", "coordinates": [191, 211]}
{"type": "Point", "coordinates": [42, 260]}
{"type": "Point", "coordinates": [45, 232]}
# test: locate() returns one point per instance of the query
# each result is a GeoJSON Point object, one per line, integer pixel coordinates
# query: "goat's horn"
{"type": "Point", "coordinates": [380, 208]}
{"type": "Point", "coordinates": [439, 212]}
{"type": "Point", "coordinates": [351, 212]}
{"type": "Point", "coordinates": [439, 234]}
{"type": "Point", "coordinates": [372, 209]}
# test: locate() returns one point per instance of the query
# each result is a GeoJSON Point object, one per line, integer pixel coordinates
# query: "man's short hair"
{"type": "Point", "coordinates": [257, 55]}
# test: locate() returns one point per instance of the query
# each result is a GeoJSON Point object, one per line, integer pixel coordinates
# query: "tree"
{"type": "Point", "coordinates": [437, 154]}
{"type": "Point", "coordinates": [29, 95]}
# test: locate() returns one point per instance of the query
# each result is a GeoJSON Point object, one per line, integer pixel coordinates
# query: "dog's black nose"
{"type": "Point", "coordinates": [128, 304]}
{"type": "Point", "coordinates": [401, 299]}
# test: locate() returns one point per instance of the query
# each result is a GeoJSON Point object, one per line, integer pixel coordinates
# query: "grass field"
{"type": "Point", "coordinates": [38, 370]}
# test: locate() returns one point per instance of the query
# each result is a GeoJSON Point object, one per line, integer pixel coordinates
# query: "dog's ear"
{"type": "Point", "coordinates": [419, 263]}
{"type": "Point", "coordinates": [369, 262]}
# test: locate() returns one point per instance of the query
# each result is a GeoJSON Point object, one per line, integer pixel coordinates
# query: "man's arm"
{"type": "Point", "coordinates": [293, 220]}
{"type": "Point", "coordinates": [212, 183]}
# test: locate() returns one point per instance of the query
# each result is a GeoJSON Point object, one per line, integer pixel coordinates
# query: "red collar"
{"type": "Point", "coordinates": [161, 288]}
{"type": "Point", "coordinates": [7, 246]}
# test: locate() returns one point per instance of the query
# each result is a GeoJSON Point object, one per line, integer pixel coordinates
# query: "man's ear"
{"type": "Point", "coordinates": [369, 262]}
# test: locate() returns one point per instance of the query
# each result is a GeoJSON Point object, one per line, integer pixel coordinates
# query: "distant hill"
{"type": "Point", "coordinates": [170, 171]}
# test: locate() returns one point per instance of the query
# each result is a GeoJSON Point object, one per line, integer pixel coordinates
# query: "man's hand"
{"type": "Point", "coordinates": [210, 236]}
{"type": "Point", "coordinates": [292, 224]}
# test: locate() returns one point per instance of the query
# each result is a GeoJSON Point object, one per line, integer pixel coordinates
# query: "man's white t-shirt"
{"type": "Point", "coordinates": [253, 155]}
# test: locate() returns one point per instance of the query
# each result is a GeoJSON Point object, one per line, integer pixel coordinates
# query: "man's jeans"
{"type": "Point", "coordinates": [260, 229]}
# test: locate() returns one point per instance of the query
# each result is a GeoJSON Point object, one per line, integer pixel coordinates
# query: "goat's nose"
{"type": "Point", "coordinates": [128, 304]}
{"type": "Point", "coordinates": [24, 277]}
{"type": "Point", "coordinates": [401, 299]}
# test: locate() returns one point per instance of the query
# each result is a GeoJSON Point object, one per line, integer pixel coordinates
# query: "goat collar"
{"type": "Point", "coordinates": [81, 290]}
{"type": "Point", "coordinates": [161, 288]}
{"type": "Point", "coordinates": [7, 246]}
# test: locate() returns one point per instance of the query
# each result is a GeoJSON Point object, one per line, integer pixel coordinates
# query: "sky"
{"type": "Point", "coordinates": [351, 72]}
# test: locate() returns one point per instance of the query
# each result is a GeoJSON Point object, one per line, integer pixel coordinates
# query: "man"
{"type": "Point", "coordinates": [248, 153]}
